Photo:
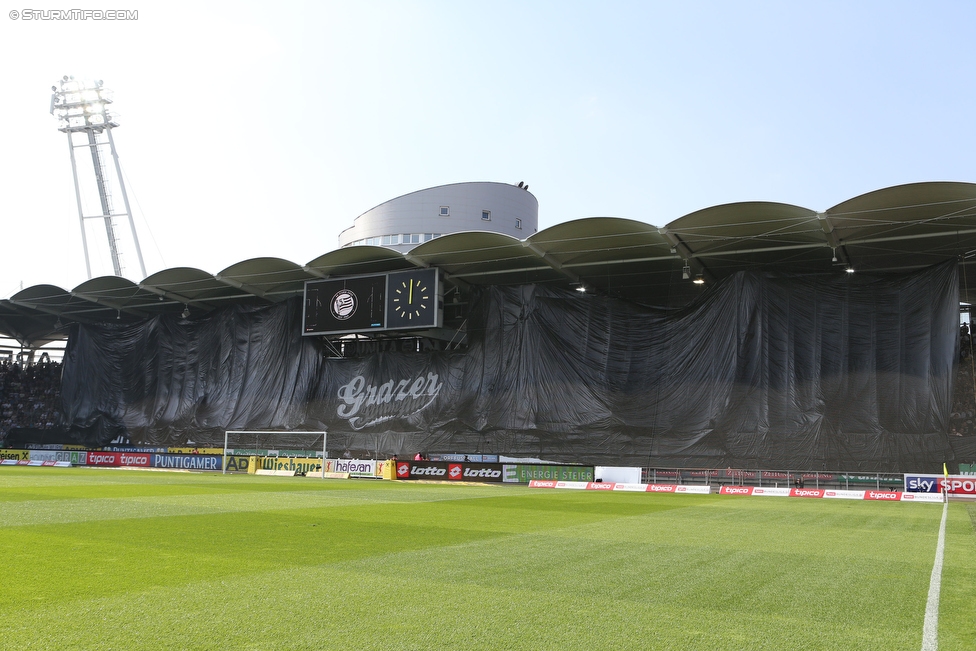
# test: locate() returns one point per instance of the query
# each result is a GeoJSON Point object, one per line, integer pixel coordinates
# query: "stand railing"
{"type": "Point", "coordinates": [772, 478]}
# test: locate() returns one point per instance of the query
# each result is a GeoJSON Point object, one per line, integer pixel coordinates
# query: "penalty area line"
{"type": "Point", "coordinates": [930, 630]}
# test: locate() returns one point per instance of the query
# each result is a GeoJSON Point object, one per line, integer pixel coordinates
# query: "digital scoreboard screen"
{"type": "Point", "coordinates": [345, 305]}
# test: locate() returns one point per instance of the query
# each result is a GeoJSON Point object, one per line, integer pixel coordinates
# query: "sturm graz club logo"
{"type": "Point", "coordinates": [344, 304]}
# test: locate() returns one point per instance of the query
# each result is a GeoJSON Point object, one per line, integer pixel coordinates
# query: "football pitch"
{"type": "Point", "coordinates": [107, 559]}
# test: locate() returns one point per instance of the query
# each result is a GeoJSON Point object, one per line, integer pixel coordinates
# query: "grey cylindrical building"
{"type": "Point", "coordinates": [420, 216]}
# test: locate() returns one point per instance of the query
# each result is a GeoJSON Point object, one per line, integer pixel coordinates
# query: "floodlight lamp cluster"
{"type": "Point", "coordinates": [81, 105]}
{"type": "Point", "coordinates": [699, 278]}
{"type": "Point", "coordinates": [848, 267]}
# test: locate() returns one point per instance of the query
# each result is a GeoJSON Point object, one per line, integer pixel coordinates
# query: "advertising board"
{"type": "Point", "coordinates": [523, 474]}
{"type": "Point", "coordinates": [736, 490]}
{"type": "Point", "coordinates": [187, 461]}
{"type": "Point", "coordinates": [70, 457]}
{"type": "Point", "coordinates": [690, 489]}
{"type": "Point", "coordinates": [355, 467]}
{"type": "Point", "coordinates": [957, 484]}
{"type": "Point", "coordinates": [466, 458]}
{"type": "Point", "coordinates": [806, 492]}
{"type": "Point", "coordinates": [233, 463]}
{"type": "Point", "coordinates": [103, 458]}
{"type": "Point", "coordinates": [14, 455]}
{"type": "Point", "coordinates": [447, 471]}
{"type": "Point", "coordinates": [771, 492]}
{"type": "Point", "coordinates": [301, 465]}
{"type": "Point", "coordinates": [886, 496]}
{"type": "Point", "coordinates": [836, 494]}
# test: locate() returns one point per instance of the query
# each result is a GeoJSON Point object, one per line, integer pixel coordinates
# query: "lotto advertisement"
{"type": "Point", "coordinates": [490, 472]}
{"type": "Point", "coordinates": [444, 470]}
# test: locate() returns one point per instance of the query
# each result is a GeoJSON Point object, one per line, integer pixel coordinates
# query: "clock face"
{"type": "Point", "coordinates": [413, 299]}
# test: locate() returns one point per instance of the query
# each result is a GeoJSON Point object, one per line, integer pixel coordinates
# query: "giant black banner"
{"type": "Point", "coordinates": [846, 372]}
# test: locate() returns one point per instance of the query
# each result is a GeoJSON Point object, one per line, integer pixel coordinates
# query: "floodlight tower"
{"type": "Point", "coordinates": [82, 109]}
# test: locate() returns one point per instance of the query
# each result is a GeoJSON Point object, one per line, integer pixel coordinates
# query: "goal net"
{"type": "Point", "coordinates": [266, 443]}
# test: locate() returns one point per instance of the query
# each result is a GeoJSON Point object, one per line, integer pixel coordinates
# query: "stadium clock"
{"type": "Point", "coordinates": [413, 299]}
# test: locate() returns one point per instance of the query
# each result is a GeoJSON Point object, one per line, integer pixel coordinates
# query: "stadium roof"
{"type": "Point", "coordinates": [897, 229]}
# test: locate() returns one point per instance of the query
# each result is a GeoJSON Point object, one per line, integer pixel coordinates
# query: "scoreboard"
{"type": "Point", "coordinates": [401, 300]}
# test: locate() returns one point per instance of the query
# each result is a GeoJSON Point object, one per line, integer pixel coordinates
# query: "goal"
{"type": "Point", "coordinates": [268, 443]}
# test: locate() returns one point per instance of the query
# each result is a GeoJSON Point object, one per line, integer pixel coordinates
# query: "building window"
{"type": "Point", "coordinates": [445, 211]}
{"type": "Point", "coordinates": [518, 223]}
{"type": "Point", "coordinates": [486, 215]}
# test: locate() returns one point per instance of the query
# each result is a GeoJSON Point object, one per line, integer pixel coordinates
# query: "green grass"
{"type": "Point", "coordinates": [100, 559]}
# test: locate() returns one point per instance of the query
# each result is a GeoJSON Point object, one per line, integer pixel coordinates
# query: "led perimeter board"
{"type": "Point", "coordinates": [345, 305]}
{"type": "Point", "coordinates": [400, 300]}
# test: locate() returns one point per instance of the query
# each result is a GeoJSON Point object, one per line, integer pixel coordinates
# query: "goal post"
{"type": "Point", "coordinates": [274, 443]}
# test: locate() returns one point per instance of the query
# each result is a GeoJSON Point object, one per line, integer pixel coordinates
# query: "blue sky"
{"type": "Point", "coordinates": [263, 129]}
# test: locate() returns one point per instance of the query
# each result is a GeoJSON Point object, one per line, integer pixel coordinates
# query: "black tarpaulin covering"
{"type": "Point", "coordinates": [771, 371]}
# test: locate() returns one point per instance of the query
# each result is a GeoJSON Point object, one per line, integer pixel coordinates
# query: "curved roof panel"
{"type": "Point", "coordinates": [269, 278]}
{"type": "Point", "coordinates": [907, 226]}
{"type": "Point", "coordinates": [911, 209]}
{"type": "Point", "coordinates": [894, 229]}
{"type": "Point", "coordinates": [117, 294]}
{"type": "Point", "coordinates": [483, 257]}
{"type": "Point", "coordinates": [747, 225]}
{"type": "Point", "coordinates": [353, 260]}
{"type": "Point", "coordinates": [57, 302]}
{"type": "Point", "coordinates": [29, 326]}
{"type": "Point", "coordinates": [43, 294]}
{"type": "Point", "coordinates": [599, 240]}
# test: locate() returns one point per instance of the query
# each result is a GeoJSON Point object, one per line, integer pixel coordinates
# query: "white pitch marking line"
{"type": "Point", "coordinates": [930, 630]}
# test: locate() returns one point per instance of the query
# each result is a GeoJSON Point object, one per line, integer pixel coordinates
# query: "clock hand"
{"type": "Point", "coordinates": [410, 299]}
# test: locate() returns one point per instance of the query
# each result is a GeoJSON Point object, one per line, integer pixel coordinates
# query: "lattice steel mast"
{"type": "Point", "coordinates": [82, 107]}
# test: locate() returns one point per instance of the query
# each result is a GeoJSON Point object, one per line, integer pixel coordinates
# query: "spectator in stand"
{"type": "Point", "coordinates": [30, 394]}
{"type": "Point", "coordinates": [965, 342]}
{"type": "Point", "coordinates": [961, 419]}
